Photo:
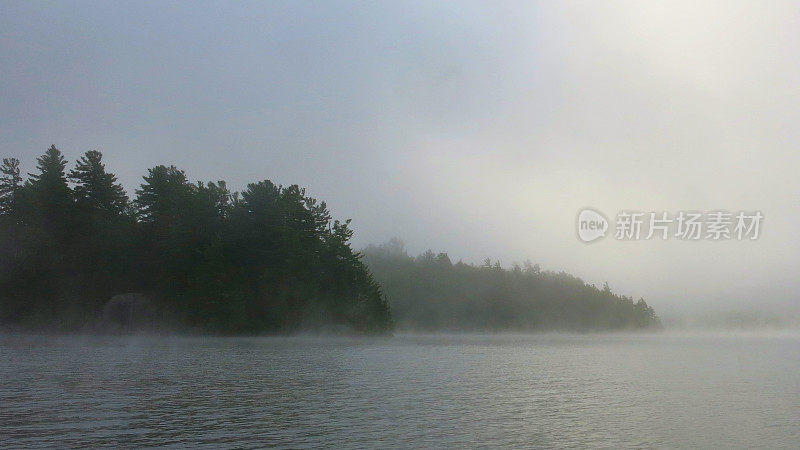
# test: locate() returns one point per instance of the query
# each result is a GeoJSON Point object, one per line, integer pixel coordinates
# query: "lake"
{"type": "Point", "coordinates": [658, 390]}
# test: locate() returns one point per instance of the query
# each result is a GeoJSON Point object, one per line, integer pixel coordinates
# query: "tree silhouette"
{"type": "Point", "coordinates": [429, 293]}
{"type": "Point", "coordinates": [95, 188]}
{"type": "Point", "coordinates": [10, 185]}
{"type": "Point", "coordinates": [50, 198]}
{"type": "Point", "coordinates": [164, 196]}
{"type": "Point", "coordinates": [270, 259]}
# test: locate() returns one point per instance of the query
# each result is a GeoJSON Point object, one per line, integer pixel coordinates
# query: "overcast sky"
{"type": "Point", "coordinates": [479, 129]}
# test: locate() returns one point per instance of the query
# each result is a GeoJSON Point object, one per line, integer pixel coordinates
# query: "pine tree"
{"type": "Point", "coordinates": [164, 196]}
{"type": "Point", "coordinates": [10, 184]}
{"type": "Point", "coordinates": [51, 174]}
{"type": "Point", "coordinates": [51, 194]}
{"type": "Point", "coordinates": [97, 188]}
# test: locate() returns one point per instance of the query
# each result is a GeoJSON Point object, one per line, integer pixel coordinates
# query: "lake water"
{"type": "Point", "coordinates": [407, 391]}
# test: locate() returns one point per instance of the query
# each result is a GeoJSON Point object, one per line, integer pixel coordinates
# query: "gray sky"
{"type": "Point", "coordinates": [464, 127]}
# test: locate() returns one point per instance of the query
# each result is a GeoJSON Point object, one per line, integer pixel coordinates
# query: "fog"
{"type": "Point", "coordinates": [467, 128]}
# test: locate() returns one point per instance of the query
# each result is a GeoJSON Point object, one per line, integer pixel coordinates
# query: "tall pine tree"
{"type": "Point", "coordinates": [10, 185]}
{"type": "Point", "coordinates": [50, 194]}
{"type": "Point", "coordinates": [95, 188]}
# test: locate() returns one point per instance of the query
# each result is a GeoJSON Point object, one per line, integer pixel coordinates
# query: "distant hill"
{"type": "Point", "coordinates": [430, 293]}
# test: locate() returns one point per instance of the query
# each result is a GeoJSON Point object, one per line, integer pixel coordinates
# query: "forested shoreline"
{"type": "Point", "coordinates": [267, 260]}
{"type": "Point", "coordinates": [76, 253]}
{"type": "Point", "coordinates": [431, 293]}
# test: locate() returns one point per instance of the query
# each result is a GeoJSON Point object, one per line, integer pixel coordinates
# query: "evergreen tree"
{"type": "Point", "coordinates": [164, 196]}
{"type": "Point", "coordinates": [10, 185]}
{"type": "Point", "coordinates": [51, 198]}
{"type": "Point", "coordinates": [51, 178]}
{"type": "Point", "coordinates": [427, 293]}
{"type": "Point", "coordinates": [270, 260]}
{"type": "Point", "coordinates": [95, 188]}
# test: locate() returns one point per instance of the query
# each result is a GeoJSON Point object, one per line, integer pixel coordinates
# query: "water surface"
{"type": "Point", "coordinates": [407, 391]}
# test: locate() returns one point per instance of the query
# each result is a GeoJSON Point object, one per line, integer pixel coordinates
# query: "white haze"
{"type": "Point", "coordinates": [479, 129]}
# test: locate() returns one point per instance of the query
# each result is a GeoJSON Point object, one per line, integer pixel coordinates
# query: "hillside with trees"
{"type": "Point", "coordinates": [267, 260]}
{"type": "Point", "coordinates": [429, 292]}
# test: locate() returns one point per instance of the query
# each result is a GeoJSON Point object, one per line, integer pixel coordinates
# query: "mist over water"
{"type": "Point", "coordinates": [173, 172]}
{"type": "Point", "coordinates": [435, 391]}
{"type": "Point", "coordinates": [474, 129]}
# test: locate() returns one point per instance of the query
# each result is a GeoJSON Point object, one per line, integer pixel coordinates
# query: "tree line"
{"type": "Point", "coordinates": [429, 292]}
{"type": "Point", "coordinates": [265, 260]}
{"type": "Point", "coordinates": [269, 259]}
